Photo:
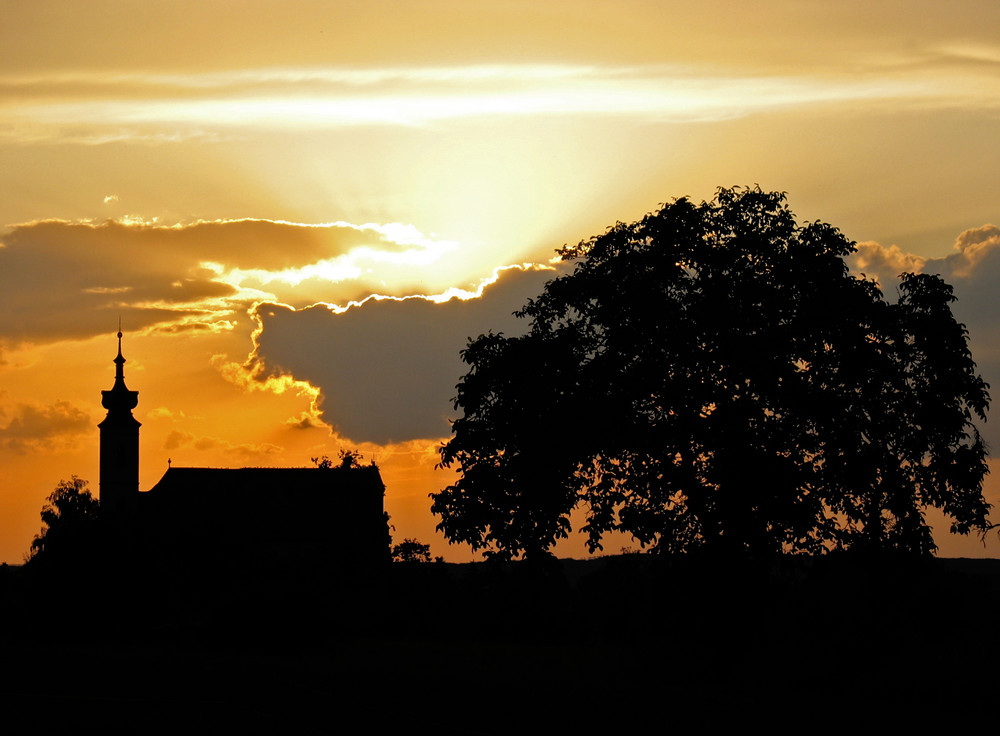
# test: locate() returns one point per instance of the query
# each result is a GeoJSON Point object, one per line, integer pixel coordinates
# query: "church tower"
{"type": "Point", "coordinates": [119, 485]}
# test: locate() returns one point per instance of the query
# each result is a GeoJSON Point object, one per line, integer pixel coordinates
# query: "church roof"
{"type": "Point", "coordinates": [236, 482]}
{"type": "Point", "coordinates": [256, 511]}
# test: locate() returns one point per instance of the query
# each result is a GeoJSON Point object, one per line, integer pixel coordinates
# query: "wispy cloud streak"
{"type": "Point", "coordinates": [98, 108]}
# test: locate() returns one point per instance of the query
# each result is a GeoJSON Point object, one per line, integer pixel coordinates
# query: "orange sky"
{"type": "Point", "coordinates": [212, 171]}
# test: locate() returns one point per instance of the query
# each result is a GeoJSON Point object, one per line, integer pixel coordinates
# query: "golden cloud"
{"type": "Point", "coordinates": [974, 246]}
{"type": "Point", "coordinates": [878, 261]}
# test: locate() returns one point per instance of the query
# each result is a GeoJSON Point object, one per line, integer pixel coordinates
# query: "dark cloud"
{"type": "Point", "coordinates": [71, 280]}
{"type": "Point", "coordinates": [34, 426]}
{"type": "Point", "coordinates": [388, 368]}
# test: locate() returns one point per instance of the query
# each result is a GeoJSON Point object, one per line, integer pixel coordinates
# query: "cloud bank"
{"type": "Point", "coordinates": [387, 368]}
{"type": "Point", "coordinates": [72, 280]}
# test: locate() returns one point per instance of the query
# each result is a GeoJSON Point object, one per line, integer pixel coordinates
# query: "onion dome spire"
{"type": "Point", "coordinates": [119, 398]}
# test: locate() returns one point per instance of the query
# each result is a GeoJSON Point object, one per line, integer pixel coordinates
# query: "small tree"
{"type": "Point", "coordinates": [712, 376]}
{"type": "Point", "coordinates": [348, 459]}
{"type": "Point", "coordinates": [69, 519]}
{"type": "Point", "coordinates": [410, 550]}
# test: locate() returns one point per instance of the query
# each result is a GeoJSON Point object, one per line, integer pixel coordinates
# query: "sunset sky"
{"type": "Point", "coordinates": [301, 210]}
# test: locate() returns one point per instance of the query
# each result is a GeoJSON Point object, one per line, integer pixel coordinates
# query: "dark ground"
{"type": "Point", "coordinates": [612, 644]}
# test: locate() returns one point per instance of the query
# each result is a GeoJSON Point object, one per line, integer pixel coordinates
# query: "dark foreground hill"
{"type": "Point", "coordinates": [615, 644]}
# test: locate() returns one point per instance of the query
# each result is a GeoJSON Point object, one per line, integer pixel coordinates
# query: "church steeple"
{"type": "Point", "coordinates": [119, 399]}
{"type": "Point", "coordinates": [119, 487]}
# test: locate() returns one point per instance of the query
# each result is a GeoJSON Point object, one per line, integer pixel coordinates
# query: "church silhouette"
{"type": "Point", "coordinates": [256, 515]}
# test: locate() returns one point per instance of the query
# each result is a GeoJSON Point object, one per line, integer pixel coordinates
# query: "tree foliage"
{"type": "Point", "coordinates": [348, 459]}
{"type": "Point", "coordinates": [713, 377]}
{"type": "Point", "coordinates": [69, 519]}
{"type": "Point", "coordinates": [410, 550]}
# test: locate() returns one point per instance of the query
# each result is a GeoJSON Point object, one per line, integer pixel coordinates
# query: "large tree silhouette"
{"type": "Point", "coordinates": [713, 377]}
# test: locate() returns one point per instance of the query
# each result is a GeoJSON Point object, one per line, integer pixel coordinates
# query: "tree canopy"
{"type": "Point", "coordinates": [713, 377]}
{"type": "Point", "coordinates": [69, 519]}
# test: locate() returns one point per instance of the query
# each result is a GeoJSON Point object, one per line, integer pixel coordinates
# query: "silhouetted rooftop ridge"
{"type": "Point", "coordinates": [174, 466]}
{"type": "Point", "coordinates": [185, 480]}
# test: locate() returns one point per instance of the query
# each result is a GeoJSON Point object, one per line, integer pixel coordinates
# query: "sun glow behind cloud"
{"type": "Point", "coordinates": [389, 273]}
